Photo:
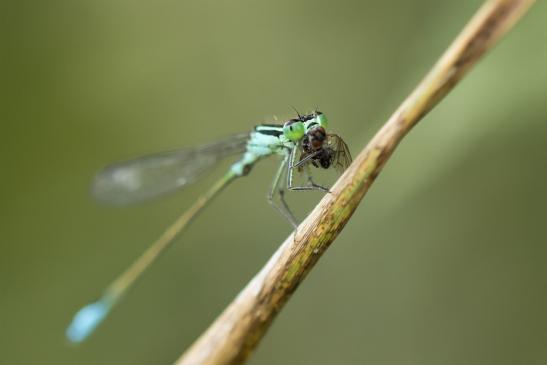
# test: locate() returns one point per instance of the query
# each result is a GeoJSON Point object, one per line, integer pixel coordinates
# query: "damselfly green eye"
{"type": "Point", "coordinates": [294, 130]}
{"type": "Point", "coordinates": [322, 120]}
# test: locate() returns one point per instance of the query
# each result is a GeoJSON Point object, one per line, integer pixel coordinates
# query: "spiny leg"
{"type": "Point", "coordinates": [276, 188]}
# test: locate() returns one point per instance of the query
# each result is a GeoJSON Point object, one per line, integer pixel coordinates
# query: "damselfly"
{"type": "Point", "coordinates": [302, 142]}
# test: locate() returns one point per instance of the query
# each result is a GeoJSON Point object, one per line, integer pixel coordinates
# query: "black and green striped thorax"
{"type": "Point", "coordinates": [274, 130]}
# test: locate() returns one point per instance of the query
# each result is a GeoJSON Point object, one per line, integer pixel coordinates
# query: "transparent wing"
{"type": "Point", "coordinates": [150, 176]}
{"type": "Point", "coordinates": [342, 156]}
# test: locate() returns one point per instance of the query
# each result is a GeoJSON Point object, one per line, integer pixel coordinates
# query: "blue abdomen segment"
{"type": "Point", "coordinates": [87, 319]}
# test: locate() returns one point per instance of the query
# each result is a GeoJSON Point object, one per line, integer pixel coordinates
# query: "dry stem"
{"type": "Point", "coordinates": [237, 331]}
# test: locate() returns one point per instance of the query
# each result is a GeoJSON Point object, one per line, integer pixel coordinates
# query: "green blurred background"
{"type": "Point", "coordinates": [443, 263]}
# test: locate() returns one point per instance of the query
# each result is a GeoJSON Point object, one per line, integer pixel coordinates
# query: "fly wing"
{"type": "Point", "coordinates": [342, 156]}
{"type": "Point", "coordinates": [151, 176]}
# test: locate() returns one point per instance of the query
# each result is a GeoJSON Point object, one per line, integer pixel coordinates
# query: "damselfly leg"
{"type": "Point", "coordinates": [278, 190]}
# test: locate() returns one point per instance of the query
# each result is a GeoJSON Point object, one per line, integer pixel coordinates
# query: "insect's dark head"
{"type": "Point", "coordinates": [313, 139]}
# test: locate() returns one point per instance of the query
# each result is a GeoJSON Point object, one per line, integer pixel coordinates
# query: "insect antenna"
{"type": "Point", "coordinates": [299, 115]}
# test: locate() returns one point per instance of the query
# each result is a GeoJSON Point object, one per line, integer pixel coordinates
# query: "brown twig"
{"type": "Point", "coordinates": [237, 331]}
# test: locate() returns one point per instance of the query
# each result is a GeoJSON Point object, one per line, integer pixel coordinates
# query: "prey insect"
{"type": "Point", "coordinates": [302, 143]}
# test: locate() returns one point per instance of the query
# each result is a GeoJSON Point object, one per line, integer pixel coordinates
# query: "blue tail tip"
{"type": "Point", "coordinates": [86, 320]}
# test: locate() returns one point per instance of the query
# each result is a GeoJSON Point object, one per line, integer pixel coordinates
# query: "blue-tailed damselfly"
{"type": "Point", "coordinates": [302, 142]}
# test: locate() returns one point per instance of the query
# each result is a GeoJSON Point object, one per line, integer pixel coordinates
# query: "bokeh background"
{"type": "Point", "coordinates": [444, 262]}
